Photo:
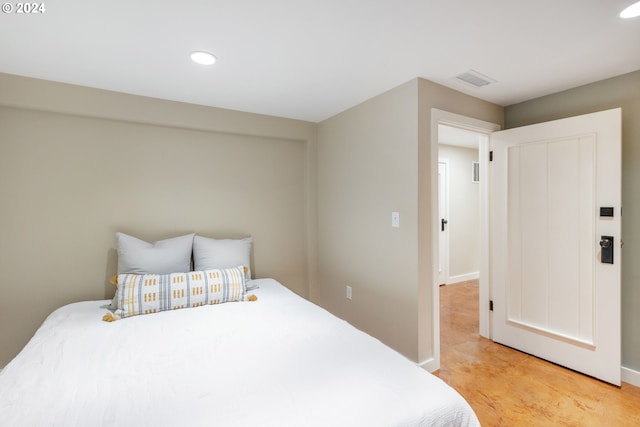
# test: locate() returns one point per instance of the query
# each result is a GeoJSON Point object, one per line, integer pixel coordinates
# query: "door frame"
{"type": "Point", "coordinates": [485, 129]}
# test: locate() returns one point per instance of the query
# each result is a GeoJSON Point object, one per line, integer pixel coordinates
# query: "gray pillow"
{"type": "Point", "coordinates": [136, 256]}
{"type": "Point", "coordinates": [210, 254]}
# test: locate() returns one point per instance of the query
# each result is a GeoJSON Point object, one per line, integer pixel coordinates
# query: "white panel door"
{"type": "Point", "coordinates": [553, 297]}
{"type": "Point", "coordinates": [443, 209]}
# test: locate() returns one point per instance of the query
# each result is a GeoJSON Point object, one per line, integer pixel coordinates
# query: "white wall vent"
{"type": "Point", "coordinates": [475, 78]}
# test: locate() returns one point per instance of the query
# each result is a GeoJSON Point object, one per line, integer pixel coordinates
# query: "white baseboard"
{"type": "Point", "coordinates": [429, 365]}
{"type": "Point", "coordinates": [630, 376]}
{"type": "Point", "coordinates": [464, 277]}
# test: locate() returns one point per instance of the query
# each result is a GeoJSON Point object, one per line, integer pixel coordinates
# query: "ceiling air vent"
{"type": "Point", "coordinates": [475, 78]}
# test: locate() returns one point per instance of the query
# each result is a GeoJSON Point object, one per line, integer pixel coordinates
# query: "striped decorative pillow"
{"type": "Point", "coordinates": [151, 293]}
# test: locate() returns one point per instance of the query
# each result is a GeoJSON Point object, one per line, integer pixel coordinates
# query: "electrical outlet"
{"type": "Point", "coordinates": [349, 293]}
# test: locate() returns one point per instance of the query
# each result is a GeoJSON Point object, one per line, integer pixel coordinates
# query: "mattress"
{"type": "Point", "coordinates": [278, 361]}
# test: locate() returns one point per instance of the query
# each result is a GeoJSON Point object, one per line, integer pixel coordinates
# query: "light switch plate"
{"type": "Point", "coordinates": [395, 219]}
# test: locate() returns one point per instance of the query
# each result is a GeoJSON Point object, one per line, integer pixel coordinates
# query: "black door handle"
{"type": "Point", "coordinates": [606, 254]}
{"type": "Point", "coordinates": [443, 222]}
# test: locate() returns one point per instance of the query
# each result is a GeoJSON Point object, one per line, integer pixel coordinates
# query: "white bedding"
{"type": "Point", "coordinates": [279, 361]}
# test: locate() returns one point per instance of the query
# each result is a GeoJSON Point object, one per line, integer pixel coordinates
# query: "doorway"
{"type": "Point", "coordinates": [564, 153]}
{"type": "Point", "coordinates": [483, 129]}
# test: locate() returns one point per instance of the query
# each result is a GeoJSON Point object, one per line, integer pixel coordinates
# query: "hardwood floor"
{"type": "Point", "coordinates": [509, 388]}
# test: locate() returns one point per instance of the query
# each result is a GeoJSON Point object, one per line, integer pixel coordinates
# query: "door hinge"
{"type": "Point", "coordinates": [490, 305]}
{"type": "Point", "coordinates": [491, 156]}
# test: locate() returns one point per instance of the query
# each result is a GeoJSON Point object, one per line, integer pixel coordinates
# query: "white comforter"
{"type": "Point", "coordinates": [279, 361]}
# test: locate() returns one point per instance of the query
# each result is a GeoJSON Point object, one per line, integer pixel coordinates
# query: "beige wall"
{"type": "Point", "coordinates": [368, 168]}
{"type": "Point", "coordinates": [373, 159]}
{"type": "Point", "coordinates": [79, 164]}
{"type": "Point", "coordinates": [464, 208]}
{"type": "Point", "coordinates": [624, 92]}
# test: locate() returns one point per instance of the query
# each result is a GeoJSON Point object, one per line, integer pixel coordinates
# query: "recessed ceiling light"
{"type": "Point", "coordinates": [203, 58]}
{"type": "Point", "coordinates": [631, 11]}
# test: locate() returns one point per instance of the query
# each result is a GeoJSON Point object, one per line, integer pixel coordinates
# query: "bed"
{"type": "Point", "coordinates": [277, 361]}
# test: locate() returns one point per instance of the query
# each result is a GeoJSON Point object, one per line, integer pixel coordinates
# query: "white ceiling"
{"type": "Point", "coordinates": [311, 59]}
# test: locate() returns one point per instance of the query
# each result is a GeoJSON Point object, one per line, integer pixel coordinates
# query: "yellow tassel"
{"type": "Point", "coordinates": [111, 317]}
{"type": "Point", "coordinates": [113, 280]}
{"type": "Point", "coordinates": [252, 298]}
